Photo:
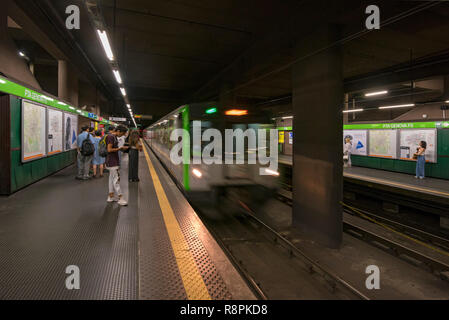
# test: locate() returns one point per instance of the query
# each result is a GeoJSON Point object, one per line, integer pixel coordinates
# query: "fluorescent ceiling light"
{"type": "Point", "coordinates": [378, 93]}
{"type": "Point", "coordinates": [352, 110]}
{"type": "Point", "coordinates": [398, 106]}
{"type": "Point", "coordinates": [197, 173]}
{"type": "Point", "coordinates": [79, 111]}
{"type": "Point", "coordinates": [447, 101]}
{"type": "Point", "coordinates": [289, 117]}
{"type": "Point", "coordinates": [72, 108]}
{"type": "Point", "coordinates": [2, 81]}
{"type": "Point", "coordinates": [106, 46]}
{"type": "Point", "coordinates": [117, 76]}
{"type": "Point", "coordinates": [123, 91]}
{"type": "Point", "coordinates": [129, 106]}
{"type": "Point", "coordinates": [21, 54]}
{"type": "Point", "coordinates": [61, 103]}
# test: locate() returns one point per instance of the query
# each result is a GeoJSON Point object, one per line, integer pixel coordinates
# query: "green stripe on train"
{"type": "Point", "coordinates": [186, 146]}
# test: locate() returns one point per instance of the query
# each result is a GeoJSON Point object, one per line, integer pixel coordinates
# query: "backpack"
{"type": "Point", "coordinates": [87, 147]}
{"type": "Point", "coordinates": [102, 147]}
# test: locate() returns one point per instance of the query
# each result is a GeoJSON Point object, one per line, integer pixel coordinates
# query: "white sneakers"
{"type": "Point", "coordinates": [121, 201]}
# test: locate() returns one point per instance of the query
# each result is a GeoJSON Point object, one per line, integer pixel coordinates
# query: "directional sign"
{"type": "Point", "coordinates": [117, 119]}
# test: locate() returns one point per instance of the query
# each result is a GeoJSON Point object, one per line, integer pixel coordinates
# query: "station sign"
{"type": "Point", "coordinates": [400, 125]}
{"type": "Point", "coordinates": [117, 119]}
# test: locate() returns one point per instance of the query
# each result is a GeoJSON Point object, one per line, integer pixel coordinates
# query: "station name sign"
{"type": "Point", "coordinates": [399, 125]}
{"type": "Point", "coordinates": [10, 87]}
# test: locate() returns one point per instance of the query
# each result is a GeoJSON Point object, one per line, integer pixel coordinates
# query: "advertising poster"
{"type": "Point", "coordinates": [383, 143]}
{"type": "Point", "coordinates": [55, 131]}
{"type": "Point", "coordinates": [410, 140]}
{"type": "Point", "coordinates": [70, 131]}
{"type": "Point", "coordinates": [33, 131]}
{"type": "Point", "coordinates": [358, 140]}
{"type": "Point", "coordinates": [290, 137]}
{"type": "Point", "coordinates": [281, 136]}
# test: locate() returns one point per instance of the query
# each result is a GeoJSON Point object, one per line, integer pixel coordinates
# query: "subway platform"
{"type": "Point", "coordinates": [154, 248]}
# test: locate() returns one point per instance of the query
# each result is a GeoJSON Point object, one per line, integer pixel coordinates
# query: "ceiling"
{"type": "Point", "coordinates": [175, 51]}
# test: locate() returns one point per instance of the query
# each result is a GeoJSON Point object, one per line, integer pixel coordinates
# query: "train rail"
{"type": "Point", "coordinates": [409, 254]}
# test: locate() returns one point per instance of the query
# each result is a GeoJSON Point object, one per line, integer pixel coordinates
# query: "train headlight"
{"type": "Point", "coordinates": [271, 172]}
{"type": "Point", "coordinates": [197, 173]}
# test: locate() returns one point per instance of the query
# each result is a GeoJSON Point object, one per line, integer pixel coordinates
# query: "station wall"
{"type": "Point", "coordinates": [435, 170]}
{"type": "Point", "coordinates": [23, 174]}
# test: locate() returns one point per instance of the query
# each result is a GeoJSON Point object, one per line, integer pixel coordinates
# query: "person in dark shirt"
{"type": "Point", "coordinates": [113, 165]}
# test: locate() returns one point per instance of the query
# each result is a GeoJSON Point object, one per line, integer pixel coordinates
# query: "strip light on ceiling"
{"type": "Point", "coordinates": [378, 93]}
{"type": "Point", "coordinates": [398, 106]}
{"type": "Point", "coordinates": [123, 91]}
{"type": "Point", "coordinates": [352, 110]}
{"type": "Point", "coordinates": [117, 76]}
{"type": "Point", "coordinates": [106, 46]}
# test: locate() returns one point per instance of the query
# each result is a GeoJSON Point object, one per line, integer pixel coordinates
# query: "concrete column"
{"type": "Point", "coordinates": [63, 82]}
{"type": "Point", "coordinates": [317, 144]}
{"type": "Point", "coordinates": [11, 64]}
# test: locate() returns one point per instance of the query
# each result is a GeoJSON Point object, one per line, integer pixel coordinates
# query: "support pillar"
{"type": "Point", "coordinates": [317, 145]}
{"type": "Point", "coordinates": [63, 84]}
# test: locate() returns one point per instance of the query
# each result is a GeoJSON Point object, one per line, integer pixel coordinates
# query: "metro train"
{"type": "Point", "coordinates": [201, 181]}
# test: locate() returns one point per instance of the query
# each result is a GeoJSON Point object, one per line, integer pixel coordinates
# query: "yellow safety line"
{"type": "Point", "coordinates": [395, 231]}
{"type": "Point", "coordinates": [190, 275]}
{"type": "Point", "coordinates": [396, 184]}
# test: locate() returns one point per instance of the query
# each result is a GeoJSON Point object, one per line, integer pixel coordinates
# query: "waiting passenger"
{"type": "Point", "coordinates": [112, 163]}
{"type": "Point", "coordinates": [86, 151]}
{"type": "Point", "coordinates": [347, 149]}
{"type": "Point", "coordinates": [121, 143]}
{"type": "Point", "coordinates": [98, 162]}
{"type": "Point", "coordinates": [135, 146]}
{"type": "Point", "coordinates": [420, 160]}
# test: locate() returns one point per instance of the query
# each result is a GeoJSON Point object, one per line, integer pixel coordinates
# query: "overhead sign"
{"type": "Point", "coordinates": [143, 117]}
{"type": "Point", "coordinates": [117, 119]}
{"type": "Point", "coordinates": [13, 88]}
{"type": "Point", "coordinates": [400, 125]}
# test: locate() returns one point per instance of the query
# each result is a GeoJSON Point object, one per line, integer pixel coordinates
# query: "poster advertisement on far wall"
{"type": "Point", "coordinates": [70, 131]}
{"type": "Point", "coordinates": [358, 140]}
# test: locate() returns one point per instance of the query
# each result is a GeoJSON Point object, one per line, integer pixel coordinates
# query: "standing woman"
{"type": "Point", "coordinates": [347, 152]}
{"type": "Point", "coordinates": [134, 147]}
{"type": "Point", "coordinates": [421, 160]}
{"type": "Point", "coordinates": [98, 162]}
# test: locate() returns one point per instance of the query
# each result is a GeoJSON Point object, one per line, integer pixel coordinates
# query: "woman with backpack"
{"type": "Point", "coordinates": [98, 161]}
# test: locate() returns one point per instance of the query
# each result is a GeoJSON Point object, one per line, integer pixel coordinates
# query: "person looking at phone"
{"type": "Point", "coordinates": [421, 160]}
{"type": "Point", "coordinates": [113, 165]}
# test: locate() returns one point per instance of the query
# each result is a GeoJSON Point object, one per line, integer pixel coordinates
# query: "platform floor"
{"type": "Point", "coordinates": [155, 248]}
{"type": "Point", "coordinates": [432, 186]}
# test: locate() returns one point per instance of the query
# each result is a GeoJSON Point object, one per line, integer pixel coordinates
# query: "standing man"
{"type": "Point", "coordinates": [113, 165]}
{"type": "Point", "coordinates": [85, 153]}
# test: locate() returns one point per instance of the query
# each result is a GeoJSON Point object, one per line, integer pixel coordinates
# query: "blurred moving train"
{"type": "Point", "coordinates": [201, 181]}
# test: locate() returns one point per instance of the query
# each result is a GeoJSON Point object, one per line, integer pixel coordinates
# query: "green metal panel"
{"type": "Point", "coordinates": [186, 146]}
{"type": "Point", "coordinates": [23, 174]}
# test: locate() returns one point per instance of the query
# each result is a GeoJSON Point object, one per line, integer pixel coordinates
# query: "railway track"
{"type": "Point", "coordinates": [407, 253]}
{"type": "Point", "coordinates": [274, 266]}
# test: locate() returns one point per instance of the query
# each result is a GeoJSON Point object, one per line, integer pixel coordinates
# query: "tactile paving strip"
{"type": "Point", "coordinates": [215, 285]}
{"type": "Point", "coordinates": [159, 276]}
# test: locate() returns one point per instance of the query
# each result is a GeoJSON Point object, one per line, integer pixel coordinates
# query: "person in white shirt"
{"type": "Point", "coordinates": [347, 149]}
